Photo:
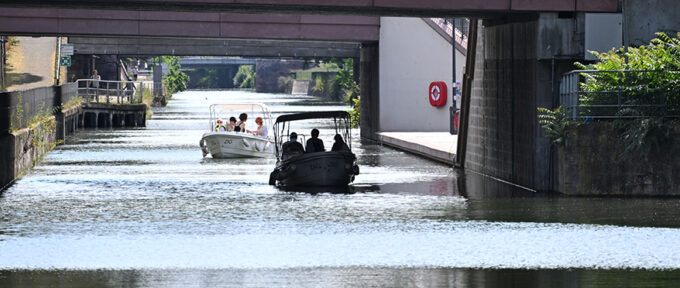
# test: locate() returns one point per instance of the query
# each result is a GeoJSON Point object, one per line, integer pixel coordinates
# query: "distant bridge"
{"type": "Point", "coordinates": [202, 61]}
{"type": "Point", "coordinates": [151, 46]}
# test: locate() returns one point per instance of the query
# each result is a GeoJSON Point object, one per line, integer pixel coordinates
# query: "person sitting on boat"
{"type": "Point", "coordinates": [292, 147]}
{"type": "Point", "coordinates": [219, 127]}
{"type": "Point", "coordinates": [315, 144]}
{"type": "Point", "coordinates": [261, 130]}
{"type": "Point", "coordinates": [232, 124]}
{"type": "Point", "coordinates": [339, 144]}
{"type": "Point", "coordinates": [242, 123]}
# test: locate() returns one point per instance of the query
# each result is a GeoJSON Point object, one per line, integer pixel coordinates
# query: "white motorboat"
{"type": "Point", "coordinates": [229, 144]}
{"type": "Point", "coordinates": [317, 169]}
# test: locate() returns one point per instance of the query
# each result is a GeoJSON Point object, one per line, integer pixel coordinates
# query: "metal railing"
{"type": "Point", "coordinates": [592, 94]}
{"type": "Point", "coordinates": [106, 91]}
{"type": "Point", "coordinates": [461, 27]}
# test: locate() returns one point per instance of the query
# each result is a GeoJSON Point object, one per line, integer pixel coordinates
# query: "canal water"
{"type": "Point", "coordinates": [143, 208]}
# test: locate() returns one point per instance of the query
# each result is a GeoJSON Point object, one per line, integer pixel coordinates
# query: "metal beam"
{"type": "Point", "coordinates": [419, 8]}
{"type": "Point", "coordinates": [144, 46]}
{"type": "Point", "coordinates": [88, 22]}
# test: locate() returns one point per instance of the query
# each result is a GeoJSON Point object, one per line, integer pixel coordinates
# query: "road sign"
{"type": "Point", "coordinates": [65, 61]}
{"type": "Point", "coordinates": [67, 49]}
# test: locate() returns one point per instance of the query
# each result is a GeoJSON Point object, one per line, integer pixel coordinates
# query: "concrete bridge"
{"type": "Point", "coordinates": [151, 46]}
{"type": "Point", "coordinates": [514, 58]}
{"type": "Point", "coordinates": [203, 61]}
{"type": "Point", "coordinates": [444, 8]}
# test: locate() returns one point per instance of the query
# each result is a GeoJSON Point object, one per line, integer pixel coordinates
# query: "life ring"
{"type": "Point", "coordinates": [437, 93]}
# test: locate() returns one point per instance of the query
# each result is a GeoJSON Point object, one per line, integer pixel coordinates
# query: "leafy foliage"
{"type": "Point", "coordinates": [641, 76]}
{"type": "Point", "coordinates": [556, 123]}
{"type": "Point", "coordinates": [647, 79]}
{"type": "Point", "coordinates": [245, 77]}
{"type": "Point", "coordinates": [346, 80]}
{"type": "Point", "coordinates": [351, 89]}
{"type": "Point", "coordinates": [176, 80]}
{"type": "Point", "coordinates": [355, 113]}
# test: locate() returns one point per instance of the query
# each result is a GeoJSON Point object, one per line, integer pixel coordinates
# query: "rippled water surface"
{"type": "Point", "coordinates": [141, 207]}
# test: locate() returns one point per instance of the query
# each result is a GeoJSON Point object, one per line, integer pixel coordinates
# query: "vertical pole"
{"type": "Point", "coordinates": [56, 75]}
{"type": "Point", "coordinates": [452, 109]}
{"type": "Point", "coordinates": [624, 35]}
{"type": "Point", "coordinates": [467, 91]}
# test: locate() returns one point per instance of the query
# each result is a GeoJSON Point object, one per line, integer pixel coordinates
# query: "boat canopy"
{"type": "Point", "coordinates": [341, 119]}
{"type": "Point", "coordinates": [239, 107]}
{"type": "Point", "coordinates": [218, 111]}
{"type": "Point", "coordinates": [312, 115]}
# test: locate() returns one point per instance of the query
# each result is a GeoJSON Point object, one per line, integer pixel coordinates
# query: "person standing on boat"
{"type": "Point", "coordinates": [315, 144]}
{"type": "Point", "coordinates": [292, 147]}
{"type": "Point", "coordinates": [261, 130]}
{"type": "Point", "coordinates": [232, 124]}
{"type": "Point", "coordinates": [339, 144]}
{"type": "Point", "coordinates": [219, 127]}
{"type": "Point", "coordinates": [242, 124]}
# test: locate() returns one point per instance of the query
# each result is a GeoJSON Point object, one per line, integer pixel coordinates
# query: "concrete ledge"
{"type": "Point", "coordinates": [438, 146]}
{"type": "Point", "coordinates": [21, 150]}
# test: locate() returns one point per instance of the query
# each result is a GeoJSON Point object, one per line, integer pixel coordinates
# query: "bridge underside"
{"type": "Point", "coordinates": [87, 22]}
{"type": "Point", "coordinates": [356, 7]}
{"type": "Point", "coordinates": [138, 46]}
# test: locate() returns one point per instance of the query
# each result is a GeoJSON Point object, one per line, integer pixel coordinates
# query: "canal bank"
{"type": "Point", "coordinates": [34, 121]}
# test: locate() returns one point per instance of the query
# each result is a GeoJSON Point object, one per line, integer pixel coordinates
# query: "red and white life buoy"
{"type": "Point", "coordinates": [437, 93]}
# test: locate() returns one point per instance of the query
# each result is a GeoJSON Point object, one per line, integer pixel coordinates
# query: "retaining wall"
{"type": "Point", "coordinates": [593, 161]}
{"type": "Point", "coordinates": [22, 146]}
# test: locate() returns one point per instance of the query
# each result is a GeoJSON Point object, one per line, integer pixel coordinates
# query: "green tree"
{"type": "Point", "coordinates": [175, 81]}
{"type": "Point", "coordinates": [245, 77]}
{"type": "Point", "coordinates": [350, 88]}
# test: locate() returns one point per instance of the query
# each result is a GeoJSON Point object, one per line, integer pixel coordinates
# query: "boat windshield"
{"type": "Point", "coordinates": [253, 110]}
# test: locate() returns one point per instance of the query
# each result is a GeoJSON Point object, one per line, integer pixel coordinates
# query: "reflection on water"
{"type": "Point", "coordinates": [141, 207]}
{"type": "Point", "coordinates": [342, 277]}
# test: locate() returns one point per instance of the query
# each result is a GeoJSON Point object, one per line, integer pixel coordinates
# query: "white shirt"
{"type": "Point", "coordinates": [265, 131]}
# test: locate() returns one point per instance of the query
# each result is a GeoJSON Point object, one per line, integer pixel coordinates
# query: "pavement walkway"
{"type": "Point", "coordinates": [31, 63]}
{"type": "Point", "coordinates": [438, 146]}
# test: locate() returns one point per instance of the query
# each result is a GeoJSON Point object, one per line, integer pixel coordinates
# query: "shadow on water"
{"type": "Point", "coordinates": [492, 200]}
{"type": "Point", "coordinates": [340, 277]}
{"type": "Point", "coordinates": [319, 190]}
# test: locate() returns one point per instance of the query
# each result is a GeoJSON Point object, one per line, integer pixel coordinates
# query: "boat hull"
{"type": "Point", "coordinates": [320, 169]}
{"type": "Point", "coordinates": [235, 145]}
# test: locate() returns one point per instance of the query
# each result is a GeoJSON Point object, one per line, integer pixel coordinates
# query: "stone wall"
{"type": "Point", "coordinates": [593, 162]}
{"type": "Point", "coordinates": [22, 146]}
{"type": "Point", "coordinates": [26, 147]}
{"type": "Point", "coordinates": [268, 72]}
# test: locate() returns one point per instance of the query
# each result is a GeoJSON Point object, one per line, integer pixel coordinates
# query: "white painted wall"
{"type": "Point", "coordinates": [412, 55]}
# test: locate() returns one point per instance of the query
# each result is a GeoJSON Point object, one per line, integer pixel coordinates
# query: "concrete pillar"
{"type": "Point", "coordinates": [96, 120]}
{"type": "Point", "coordinates": [370, 90]}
